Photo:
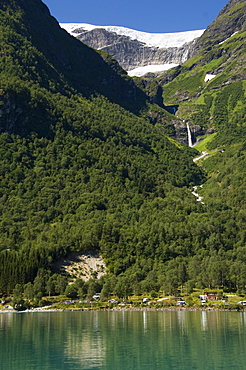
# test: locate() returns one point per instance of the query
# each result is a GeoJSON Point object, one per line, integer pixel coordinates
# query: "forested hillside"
{"type": "Point", "coordinates": [210, 92]}
{"type": "Point", "coordinates": [81, 169]}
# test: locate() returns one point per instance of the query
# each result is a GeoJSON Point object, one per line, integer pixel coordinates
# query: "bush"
{"type": "Point", "coordinates": [71, 291]}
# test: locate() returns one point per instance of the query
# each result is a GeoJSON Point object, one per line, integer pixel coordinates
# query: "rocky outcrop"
{"type": "Point", "coordinates": [133, 53]}
{"type": "Point", "coordinates": [181, 135]}
{"type": "Point", "coordinates": [230, 20]}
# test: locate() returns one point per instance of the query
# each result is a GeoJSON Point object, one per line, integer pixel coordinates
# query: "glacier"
{"type": "Point", "coordinates": [161, 40]}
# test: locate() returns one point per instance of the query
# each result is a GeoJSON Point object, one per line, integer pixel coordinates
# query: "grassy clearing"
{"type": "Point", "coordinates": [202, 146]}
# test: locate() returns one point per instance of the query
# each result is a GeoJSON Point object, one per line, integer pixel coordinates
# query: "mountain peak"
{"type": "Point", "coordinates": [230, 20]}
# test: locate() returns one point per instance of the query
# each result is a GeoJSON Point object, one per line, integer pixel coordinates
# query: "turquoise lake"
{"type": "Point", "coordinates": [123, 340]}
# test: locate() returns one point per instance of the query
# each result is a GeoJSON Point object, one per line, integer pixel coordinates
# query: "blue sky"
{"type": "Point", "coordinates": [141, 15]}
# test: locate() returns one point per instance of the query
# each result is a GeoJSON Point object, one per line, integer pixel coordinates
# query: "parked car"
{"type": "Point", "coordinates": [181, 303]}
{"type": "Point", "coordinates": [96, 296]}
{"type": "Point", "coordinates": [8, 307]}
{"type": "Point", "coordinates": [113, 301]}
{"type": "Point", "coordinates": [243, 303]}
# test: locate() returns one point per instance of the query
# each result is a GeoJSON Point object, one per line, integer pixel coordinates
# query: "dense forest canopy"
{"type": "Point", "coordinates": [82, 169]}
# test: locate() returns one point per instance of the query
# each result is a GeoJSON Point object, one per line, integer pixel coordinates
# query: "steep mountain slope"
{"type": "Point", "coordinates": [133, 49]}
{"type": "Point", "coordinates": [79, 172]}
{"type": "Point", "coordinates": [72, 161]}
{"type": "Point", "coordinates": [210, 87]}
{"type": "Point", "coordinates": [64, 59]}
{"type": "Point", "coordinates": [210, 91]}
{"type": "Point", "coordinates": [231, 19]}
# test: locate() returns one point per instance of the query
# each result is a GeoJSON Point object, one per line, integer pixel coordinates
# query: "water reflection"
{"type": "Point", "coordinates": [181, 316]}
{"type": "Point", "coordinates": [88, 350]}
{"type": "Point", "coordinates": [145, 320]}
{"type": "Point", "coordinates": [84, 342]}
{"type": "Point", "coordinates": [243, 319]}
{"type": "Point", "coordinates": [204, 321]}
{"type": "Point", "coordinates": [123, 340]}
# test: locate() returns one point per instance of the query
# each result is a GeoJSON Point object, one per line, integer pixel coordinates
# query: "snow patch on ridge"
{"type": "Point", "coordinates": [161, 40]}
{"type": "Point", "coordinates": [222, 42]}
{"type": "Point", "coordinates": [209, 77]}
{"type": "Point", "coordinates": [140, 71]}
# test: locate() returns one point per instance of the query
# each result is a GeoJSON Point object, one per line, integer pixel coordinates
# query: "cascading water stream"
{"type": "Point", "coordinates": [189, 135]}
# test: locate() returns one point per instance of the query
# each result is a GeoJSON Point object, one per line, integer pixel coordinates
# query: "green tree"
{"type": "Point", "coordinates": [106, 290]}
{"type": "Point", "coordinates": [123, 287]}
{"type": "Point", "coordinates": [17, 293]}
{"type": "Point", "coordinates": [91, 288]}
{"type": "Point", "coordinates": [29, 290]}
{"type": "Point", "coordinates": [18, 301]}
{"type": "Point", "coordinates": [60, 284]}
{"type": "Point", "coordinates": [71, 291]}
{"type": "Point", "coordinates": [51, 285]}
{"type": "Point", "coordinates": [39, 284]}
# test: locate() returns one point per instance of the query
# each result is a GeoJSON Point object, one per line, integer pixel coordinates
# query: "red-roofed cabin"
{"type": "Point", "coordinates": [212, 295]}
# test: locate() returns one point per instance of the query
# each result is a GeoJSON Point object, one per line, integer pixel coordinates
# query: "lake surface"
{"type": "Point", "coordinates": [123, 340]}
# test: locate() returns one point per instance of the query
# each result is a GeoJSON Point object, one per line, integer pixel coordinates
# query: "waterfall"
{"type": "Point", "coordinates": [189, 135]}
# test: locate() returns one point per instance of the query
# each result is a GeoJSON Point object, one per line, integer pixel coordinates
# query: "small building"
{"type": "Point", "coordinates": [212, 295]}
{"type": "Point", "coordinates": [208, 296]}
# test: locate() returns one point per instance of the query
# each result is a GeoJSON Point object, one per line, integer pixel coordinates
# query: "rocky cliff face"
{"type": "Point", "coordinates": [230, 20]}
{"type": "Point", "coordinates": [132, 53]}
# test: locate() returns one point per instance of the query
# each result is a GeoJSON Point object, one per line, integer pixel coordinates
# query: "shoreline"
{"type": "Point", "coordinates": [115, 309]}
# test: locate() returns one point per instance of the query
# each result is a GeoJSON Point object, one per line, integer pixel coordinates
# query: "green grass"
{"type": "Point", "coordinates": [202, 146]}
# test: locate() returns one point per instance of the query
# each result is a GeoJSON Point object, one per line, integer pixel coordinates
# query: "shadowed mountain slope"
{"type": "Point", "coordinates": [73, 163]}
{"type": "Point", "coordinates": [62, 58]}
